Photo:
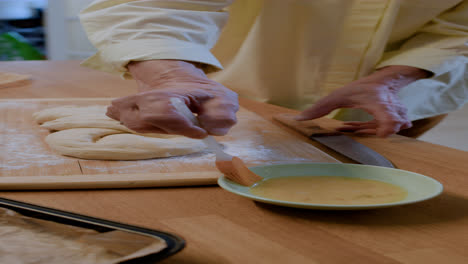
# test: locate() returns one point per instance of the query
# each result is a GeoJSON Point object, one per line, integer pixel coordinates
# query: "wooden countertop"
{"type": "Point", "coordinates": [220, 227]}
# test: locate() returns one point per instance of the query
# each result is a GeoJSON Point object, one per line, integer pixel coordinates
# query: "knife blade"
{"type": "Point", "coordinates": [336, 141]}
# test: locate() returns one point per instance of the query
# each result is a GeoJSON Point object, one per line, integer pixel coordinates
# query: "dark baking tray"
{"type": "Point", "coordinates": [174, 242]}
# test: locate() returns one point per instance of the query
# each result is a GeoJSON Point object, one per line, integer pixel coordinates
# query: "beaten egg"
{"type": "Point", "coordinates": [335, 190]}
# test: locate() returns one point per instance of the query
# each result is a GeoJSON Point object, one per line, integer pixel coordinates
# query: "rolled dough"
{"type": "Point", "coordinates": [86, 132]}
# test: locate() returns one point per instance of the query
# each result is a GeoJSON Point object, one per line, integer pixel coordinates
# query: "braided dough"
{"type": "Point", "coordinates": [86, 132]}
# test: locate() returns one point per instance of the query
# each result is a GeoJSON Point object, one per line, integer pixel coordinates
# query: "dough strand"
{"type": "Point", "coordinates": [87, 133]}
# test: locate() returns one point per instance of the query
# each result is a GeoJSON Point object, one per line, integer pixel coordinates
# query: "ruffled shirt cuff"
{"type": "Point", "coordinates": [429, 59]}
{"type": "Point", "coordinates": [114, 58]}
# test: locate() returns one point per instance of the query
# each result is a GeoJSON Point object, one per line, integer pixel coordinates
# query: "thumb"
{"type": "Point", "coordinates": [322, 107]}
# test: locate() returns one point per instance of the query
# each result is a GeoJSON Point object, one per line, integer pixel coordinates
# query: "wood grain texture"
{"type": "Point", "coordinates": [254, 139]}
{"type": "Point", "coordinates": [221, 227]}
{"type": "Point", "coordinates": [109, 181]}
{"type": "Point", "coordinates": [8, 79]}
{"type": "Point", "coordinates": [74, 81]}
{"type": "Point", "coordinates": [308, 128]}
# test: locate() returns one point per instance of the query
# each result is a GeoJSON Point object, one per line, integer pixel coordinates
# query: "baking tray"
{"type": "Point", "coordinates": [174, 242]}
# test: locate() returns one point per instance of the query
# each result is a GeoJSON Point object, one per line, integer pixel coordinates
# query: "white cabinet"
{"type": "Point", "coordinates": [65, 38]}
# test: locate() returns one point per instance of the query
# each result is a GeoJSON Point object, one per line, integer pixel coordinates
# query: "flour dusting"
{"type": "Point", "coordinates": [253, 139]}
{"type": "Point", "coordinates": [21, 149]}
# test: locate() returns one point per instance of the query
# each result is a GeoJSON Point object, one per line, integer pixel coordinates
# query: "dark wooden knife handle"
{"type": "Point", "coordinates": [307, 128]}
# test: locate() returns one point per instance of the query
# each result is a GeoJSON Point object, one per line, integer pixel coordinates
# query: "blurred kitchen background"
{"type": "Point", "coordinates": [51, 30]}
{"type": "Point", "coordinates": [42, 29]}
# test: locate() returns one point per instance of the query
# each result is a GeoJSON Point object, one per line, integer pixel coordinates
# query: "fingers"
{"type": "Point", "coordinates": [217, 116]}
{"type": "Point", "coordinates": [152, 112]}
{"type": "Point", "coordinates": [113, 112]}
{"type": "Point", "coordinates": [376, 99]}
{"type": "Point", "coordinates": [369, 127]}
{"type": "Point", "coordinates": [372, 127]}
{"type": "Point", "coordinates": [163, 115]}
{"type": "Point", "coordinates": [403, 113]}
{"type": "Point", "coordinates": [389, 119]}
{"type": "Point", "coordinates": [362, 128]}
{"type": "Point", "coordinates": [133, 122]}
{"type": "Point", "coordinates": [321, 108]}
{"type": "Point", "coordinates": [153, 117]}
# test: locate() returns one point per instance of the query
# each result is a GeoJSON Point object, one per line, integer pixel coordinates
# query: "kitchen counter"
{"type": "Point", "coordinates": [220, 227]}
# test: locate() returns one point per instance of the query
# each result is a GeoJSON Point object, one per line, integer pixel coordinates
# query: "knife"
{"type": "Point", "coordinates": [336, 141]}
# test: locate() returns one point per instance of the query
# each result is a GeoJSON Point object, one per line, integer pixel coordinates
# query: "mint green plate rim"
{"type": "Point", "coordinates": [420, 187]}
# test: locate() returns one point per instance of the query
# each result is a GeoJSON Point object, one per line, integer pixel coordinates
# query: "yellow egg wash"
{"type": "Point", "coordinates": [329, 190]}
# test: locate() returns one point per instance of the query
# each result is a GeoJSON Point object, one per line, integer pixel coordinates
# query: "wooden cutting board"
{"type": "Point", "coordinates": [26, 162]}
{"type": "Point", "coordinates": [8, 79]}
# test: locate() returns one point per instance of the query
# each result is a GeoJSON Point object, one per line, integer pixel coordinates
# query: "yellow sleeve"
{"type": "Point", "coordinates": [443, 39]}
{"type": "Point", "coordinates": [126, 30]}
{"type": "Point", "coordinates": [442, 48]}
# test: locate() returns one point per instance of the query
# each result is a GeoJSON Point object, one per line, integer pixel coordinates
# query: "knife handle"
{"type": "Point", "coordinates": [307, 128]}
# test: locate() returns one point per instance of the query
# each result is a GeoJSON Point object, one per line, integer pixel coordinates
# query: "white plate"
{"type": "Point", "coordinates": [418, 186]}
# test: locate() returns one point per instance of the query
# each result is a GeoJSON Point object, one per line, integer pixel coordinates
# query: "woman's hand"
{"type": "Point", "coordinates": [375, 94]}
{"type": "Point", "coordinates": [150, 110]}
